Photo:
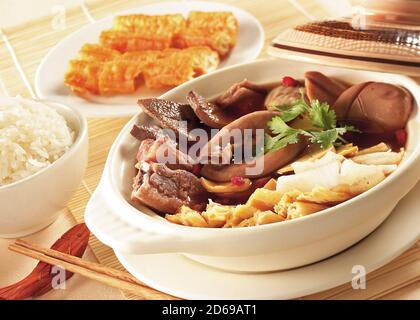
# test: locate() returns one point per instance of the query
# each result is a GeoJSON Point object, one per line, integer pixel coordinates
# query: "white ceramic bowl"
{"type": "Point", "coordinates": [289, 244]}
{"type": "Point", "coordinates": [30, 204]}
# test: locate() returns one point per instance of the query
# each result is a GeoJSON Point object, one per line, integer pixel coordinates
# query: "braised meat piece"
{"type": "Point", "coordinates": [167, 185]}
{"type": "Point", "coordinates": [375, 107]}
{"type": "Point", "coordinates": [243, 97]}
{"type": "Point", "coordinates": [322, 88]}
{"type": "Point", "coordinates": [281, 96]}
{"type": "Point", "coordinates": [258, 167]}
{"type": "Point", "coordinates": [145, 132]}
{"type": "Point", "coordinates": [240, 99]}
{"type": "Point", "coordinates": [209, 113]}
{"type": "Point", "coordinates": [165, 151]}
{"type": "Point", "coordinates": [166, 190]}
{"type": "Point", "coordinates": [172, 115]}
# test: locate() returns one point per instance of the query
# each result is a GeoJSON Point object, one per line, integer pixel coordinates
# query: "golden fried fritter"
{"type": "Point", "coordinates": [118, 76]}
{"type": "Point", "coordinates": [213, 21]}
{"type": "Point", "coordinates": [141, 23]}
{"type": "Point", "coordinates": [159, 69]}
{"type": "Point", "coordinates": [82, 76]}
{"type": "Point", "coordinates": [164, 50]}
{"type": "Point", "coordinates": [175, 66]}
{"type": "Point", "coordinates": [96, 52]}
{"type": "Point", "coordinates": [217, 30]}
{"type": "Point", "coordinates": [124, 41]}
{"type": "Point", "coordinates": [220, 41]}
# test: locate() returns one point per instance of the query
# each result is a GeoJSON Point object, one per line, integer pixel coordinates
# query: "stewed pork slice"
{"type": "Point", "coordinates": [240, 99]}
{"type": "Point", "coordinates": [165, 151]}
{"type": "Point", "coordinates": [375, 107]}
{"type": "Point", "coordinates": [221, 145]}
{"type": "Point", "coordinates": [282, 95]}
{"type": "Point", "coordinates": [251, 168]}
{"type": "Point", "coordinates": [322, 88]}
{"type": "Point", "coordinates": [166, 190]}
{"type": "Point", "coordinates": [141, 132]}
{"type": "Point", "coordinates": [243, 97]}
{"type": "Point", "coordinates": [144, 153]}
{"type": "Point", "coordinates": [209, 113]}
{"type": "Point", "coordinates": [171, 115]}
{"type": "Point", "coordinates": [259, 167]}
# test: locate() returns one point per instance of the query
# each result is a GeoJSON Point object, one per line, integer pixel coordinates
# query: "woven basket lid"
{"type": "Point", "coordinates": [378, 46]}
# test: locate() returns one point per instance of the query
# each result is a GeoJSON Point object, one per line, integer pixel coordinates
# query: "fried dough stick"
{"type": "Point", "coordinates": [124, 41]}
{"type": "Point", "coordinates": [139, 23]}
{"type": "Point", "coordinates": [96, 52]}
{"type": "Point", "coordinates": [83, 76]}
{"type": "Point", "coordinates": [83, 73]}
{"type": "Point", "coordinates": [142, 32]}
{"type": "Point", "coordinates": [217, 30]}
{"type": "Point", "coordinates": [159, 69]}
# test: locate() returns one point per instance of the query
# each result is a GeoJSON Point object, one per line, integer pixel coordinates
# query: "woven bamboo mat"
{"type": "Point", "coordinates": [31, 41]}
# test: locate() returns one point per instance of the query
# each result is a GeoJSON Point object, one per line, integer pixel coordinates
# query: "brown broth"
{"type": "Point", "coordinates": [366, 140]}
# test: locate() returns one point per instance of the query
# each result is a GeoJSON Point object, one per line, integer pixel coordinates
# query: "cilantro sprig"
{"type": "Point", "coordinates": [324, 131]}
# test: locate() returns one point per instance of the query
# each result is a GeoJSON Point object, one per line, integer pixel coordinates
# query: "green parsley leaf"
{"type": "Point", "coordinates": [299, 106]}
{"type": "Point", "coordinates": [290, 113]}
{"type": "Point", "coordinates": [321, 116]}
{"type": "Point", "coordinates": [278, 126]}
{"type": "Point", "coordinates": [288, 139]}
{"type": "Point", "coordinates": [284, 135]}
{"type": "Point", "coordinates": [268, 142]}
{"type": "Point", "coordinates": [325, 138]}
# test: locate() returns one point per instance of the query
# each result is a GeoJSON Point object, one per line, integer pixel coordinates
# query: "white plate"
{"type": "Point", "coordinates": [179, 276]}
{"type": "Point", "coordinates": [50, 74]}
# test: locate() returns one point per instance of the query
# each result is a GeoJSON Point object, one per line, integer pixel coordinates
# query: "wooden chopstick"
{"type": "Point", "coordinates": [109, 276]}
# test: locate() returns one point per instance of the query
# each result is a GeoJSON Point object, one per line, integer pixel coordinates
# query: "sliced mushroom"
{"type": "Point", "coordinates": [225, 187]}
{"type": "Point", "coordinates": [375, 107]}
{"type": "Point", "coordinates": [230, 198]}
{"type": "Point", "coordinates": [322, 88]}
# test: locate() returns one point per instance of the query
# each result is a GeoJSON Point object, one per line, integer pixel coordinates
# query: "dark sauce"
{"type": "Point", "coordinates": [366, 140]}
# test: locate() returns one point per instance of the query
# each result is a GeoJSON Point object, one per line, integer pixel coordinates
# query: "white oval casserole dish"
{"type": "Point", "coordinates": [269, 247]}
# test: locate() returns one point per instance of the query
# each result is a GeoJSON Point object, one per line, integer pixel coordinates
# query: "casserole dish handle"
{"type": "Point", "coordinates": [122, 237]}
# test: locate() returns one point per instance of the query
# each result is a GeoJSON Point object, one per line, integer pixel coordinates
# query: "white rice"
{"type": "Point", "coordinates": [32, 136]}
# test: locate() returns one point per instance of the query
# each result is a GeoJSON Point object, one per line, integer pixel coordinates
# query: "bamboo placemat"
{"type": "Point", "coordinates": [32, 41]}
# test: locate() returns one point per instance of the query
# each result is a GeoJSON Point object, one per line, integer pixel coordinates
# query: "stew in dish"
{"type": "Point", "coordinates": [268, 153]}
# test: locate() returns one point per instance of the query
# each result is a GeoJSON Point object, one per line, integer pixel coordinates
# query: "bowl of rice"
{"type": "Point", "coordinates": [43, 156]}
